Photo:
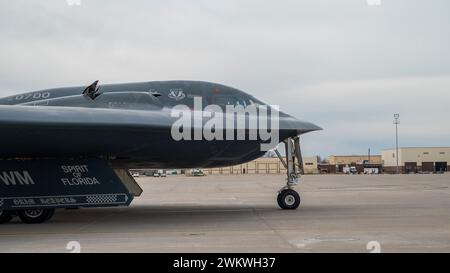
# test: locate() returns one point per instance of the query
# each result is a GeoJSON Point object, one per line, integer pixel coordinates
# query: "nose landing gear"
{"type": "Point", "coordinates": [288, 198]}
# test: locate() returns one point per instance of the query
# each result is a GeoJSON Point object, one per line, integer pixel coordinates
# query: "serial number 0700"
{"type": "Point", "coordinates": [35, 96]}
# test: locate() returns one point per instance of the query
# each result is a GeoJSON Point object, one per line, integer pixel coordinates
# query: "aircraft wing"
{"type": "Point", "coordinates": [48, 131]}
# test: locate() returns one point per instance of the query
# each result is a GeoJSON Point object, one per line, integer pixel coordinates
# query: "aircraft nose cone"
{"type": "Point", "coordinates": [305, 127]}
{"type": "Point", "coordinates": [302, 127]}
{"type": "Point", "coordinates": [312, 127]}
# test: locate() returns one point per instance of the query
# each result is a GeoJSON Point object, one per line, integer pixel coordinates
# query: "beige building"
{"type": "Point", "coordinates": [311, 165]}
{"type": "Point", "coordinates": [426, 159]}
{"type": "Point", "coordinates": [265, 165]}
{"type": "Point", "coordinates": [354, 159]}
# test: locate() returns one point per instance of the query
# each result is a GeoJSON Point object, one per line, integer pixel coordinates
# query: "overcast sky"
{"type": "Point", "coordinates": [344, 65]}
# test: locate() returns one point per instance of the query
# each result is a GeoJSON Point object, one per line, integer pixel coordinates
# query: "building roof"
{"type": "Point", "coordinates": [366, 155]}
{"type": "Point", "coordinates": [445, 147]}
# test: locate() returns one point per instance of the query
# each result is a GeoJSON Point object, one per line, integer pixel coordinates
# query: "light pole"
{"type": "Point", "coordinates": [396, 122]}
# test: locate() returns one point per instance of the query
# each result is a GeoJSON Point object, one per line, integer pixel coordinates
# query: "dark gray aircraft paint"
{"type": "Point", "coordinates": [60, 183]}
{"type": "Point", "coordinates": [72, 147]}
{"type": "Point", "coordinates": [128, 125]}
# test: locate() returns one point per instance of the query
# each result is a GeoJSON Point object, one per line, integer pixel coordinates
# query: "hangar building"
{"type": "Point", "coordinates": [336, 164]}
{"type": "Point", "coordinates": [413, 160]}
{"type": "Point", "coordinates": [265, 165]}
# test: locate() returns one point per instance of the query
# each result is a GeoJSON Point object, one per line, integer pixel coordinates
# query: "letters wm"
{"type": "Point", "coordinates": [13, 178]}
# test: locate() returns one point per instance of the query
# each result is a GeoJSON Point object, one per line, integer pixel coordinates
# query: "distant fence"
{"type": "Point", "coordinates": [254, 167]}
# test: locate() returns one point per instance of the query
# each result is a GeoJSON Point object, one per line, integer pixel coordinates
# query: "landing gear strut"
{"type": "Point", "coordinates": [288, 198]}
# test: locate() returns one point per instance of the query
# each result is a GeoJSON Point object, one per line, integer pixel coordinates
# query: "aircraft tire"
{"type": "Point", "coordinates": [288, 199]}
{"type": "Point", "coordinates": [35, 216]}
{"type": "Point", "coordinates": [5, 216]}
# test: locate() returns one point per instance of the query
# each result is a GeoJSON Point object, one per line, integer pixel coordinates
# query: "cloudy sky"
{"type": "Point", "coordinates": [345, 65]}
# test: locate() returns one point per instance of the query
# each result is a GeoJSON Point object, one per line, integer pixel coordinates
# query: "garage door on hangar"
{"type": "Point", "coordinates": [410, 167]}
{"type": "Point", "coordinates": [441, 166]}
{"type": "Point", "coordinates": [427, 166]}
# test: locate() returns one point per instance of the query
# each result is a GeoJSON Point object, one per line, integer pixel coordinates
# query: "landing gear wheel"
{"type": "Point", "coordinates": [35, 216]}
{"type": "Point", "coordinates": [288, 199]}
{"type": "Point", "coordinates": [5, 216]}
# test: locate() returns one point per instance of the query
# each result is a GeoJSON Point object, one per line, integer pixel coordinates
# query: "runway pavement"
{"type": "Point", "coordinates": [339, 213]}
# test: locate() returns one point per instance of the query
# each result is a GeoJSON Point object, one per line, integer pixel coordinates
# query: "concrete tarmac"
{"type": "Point", "coordinates": [339, 213]}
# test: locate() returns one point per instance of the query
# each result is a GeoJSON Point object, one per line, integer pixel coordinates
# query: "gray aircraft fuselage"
{"type": "Point", "coordinates": [129, 125]}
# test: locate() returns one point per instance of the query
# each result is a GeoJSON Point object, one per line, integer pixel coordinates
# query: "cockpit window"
{"type": "Point", "coordinates": [229, 100]}
{"type": "Point", "coordinates": [256, 102]}
{"type": "Point", "coordinates": [223, 101]}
